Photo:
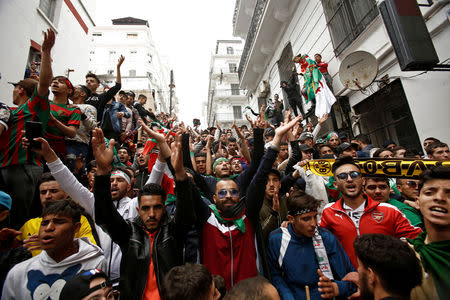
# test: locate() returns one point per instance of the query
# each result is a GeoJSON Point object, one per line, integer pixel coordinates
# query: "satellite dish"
{"type": "Point", "coordinates": [358, 70]}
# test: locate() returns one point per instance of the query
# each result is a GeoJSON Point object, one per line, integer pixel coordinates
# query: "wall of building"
{"type": "Point", "coordinates": [427, 94]}
{"type": "Point", "coordinates": [221, 99]}
{"type": "Point", "coordinates": [143, 68]}
{"type": "Point", "coordinates": [22, 21]}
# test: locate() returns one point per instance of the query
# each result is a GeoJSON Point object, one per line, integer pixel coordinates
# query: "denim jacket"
{"type": "Point", "coordinates": [113, 110]}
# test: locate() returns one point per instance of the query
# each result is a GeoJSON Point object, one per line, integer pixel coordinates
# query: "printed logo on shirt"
{"type": "Point", "coordinates": [49, 286]}
{"type": "Point", "coordinates": [378, 216]}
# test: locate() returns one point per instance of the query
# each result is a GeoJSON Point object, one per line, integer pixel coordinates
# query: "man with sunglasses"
{"type": "Point", "coordinates": [409, 190]}
{"type": "Point", "coordinates": [356, 213]}
{"type": "Point", "coordinates": [378, 189]}
{"type": "Point", "coordinates": [231, 239]}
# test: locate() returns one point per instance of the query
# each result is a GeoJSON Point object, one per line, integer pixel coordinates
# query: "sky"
{"type": "Point", "coordinates": [186, 33]}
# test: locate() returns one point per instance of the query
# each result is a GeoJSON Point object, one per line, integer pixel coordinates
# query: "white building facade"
{"type": "Point", "coordinates": [406, 108]}
{"type": "Point", "coordinates": [226, 101]}
{"type": "Point", "coordinates": [23, 23]}
{"type": "Point", "coordinates": [144, 70]}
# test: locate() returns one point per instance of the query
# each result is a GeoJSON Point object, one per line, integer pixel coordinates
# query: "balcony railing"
{"type": "Point", "coordinates": [236, 9]}
{"type": "Point", "coordinates": [227, 117]}
{"type": "Point", "coordinates": [228, 92]}
{"type": "Point", "coordinates": [254, 25]}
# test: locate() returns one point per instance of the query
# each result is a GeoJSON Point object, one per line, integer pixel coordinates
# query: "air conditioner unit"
{"type": "Point", "coordinates": [409, 35]}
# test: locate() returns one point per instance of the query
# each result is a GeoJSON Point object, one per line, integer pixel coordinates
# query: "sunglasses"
{"type": "Point", "coordinates": [411, 184]}
{"type": "Point", "coordinates": [223, 193]}
{"type": "Point", "coordinates": [353, 175]}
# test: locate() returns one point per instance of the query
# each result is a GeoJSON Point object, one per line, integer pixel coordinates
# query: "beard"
{"type": "Point", "coordinates": [366, 293]}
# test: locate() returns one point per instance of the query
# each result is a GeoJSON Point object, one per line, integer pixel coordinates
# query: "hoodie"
{"type": "Point", "coordinates": [40, 277]}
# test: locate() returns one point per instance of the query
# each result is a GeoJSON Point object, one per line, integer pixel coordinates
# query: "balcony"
{"type": "Point", "coordinates": [228, 117]}
{"type": "Point", "coordinates": [269, 22]}
{"type": "Point", "coordinates": [229, 92]}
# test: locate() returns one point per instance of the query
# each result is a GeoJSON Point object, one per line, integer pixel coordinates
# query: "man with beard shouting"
{"type": "Point", "coordinates": [230, 233]}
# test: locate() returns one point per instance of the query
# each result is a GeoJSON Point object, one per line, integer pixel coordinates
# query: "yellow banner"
{"type": "Point", "coordinates": [391, 167]}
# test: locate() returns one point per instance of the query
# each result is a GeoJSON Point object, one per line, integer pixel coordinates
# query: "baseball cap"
{"type": "Point", "coordinates": [78, 287]}
{"type": "Point", "coordinates": [132, 94]}
{"type": "Point", "coordinates": [305, 135]}
{"type": "Point", "coordinates": [27, 84]}
{"type": "Point", "coordinates": [305, 147]}
{"type": "Point", "coordinates": [5, 200]}
{"type": "Point", "coordinates": [344, 146]}
{"type": "Point", "coordinates": [86, 91]}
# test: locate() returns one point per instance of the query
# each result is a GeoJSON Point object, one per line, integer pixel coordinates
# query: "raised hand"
{"type": "Point", "coordinates": [281, 131]}
{"type": "Point", "coordinates": [46, 151]}
{"type": "Point", "coordinates": [49, 41]}
{"type": "Point", "coordinates": [120, 61]}
{"type": "Point", "coordinates": [159, 137]}
{"type": "Point", "coordinates": [103, 156]}
{"type": "Point", "coordinates": [323, 119]}
{"type": "Point", "coordinates": [177, 158]}
{"type": "Point", "coordinates": [238, 131]}
{"type": "Point", "coordinates": [252, 124]}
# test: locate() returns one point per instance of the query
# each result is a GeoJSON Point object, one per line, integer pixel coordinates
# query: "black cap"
{"type": "Point", "coordinates": [27, 84]}
{"type": "Point", "coordinates": [132, 94]}
{"type": "Point", "coordinates": [305, 135]}
{"type": "Point", "coordinates": [86, 91]}
{"type": "Point", "coordinates": [344, 146]}
{"type": "Point", "coordinates": [77, 287]}
{"type": "Point", "coordinates": [305, 147]}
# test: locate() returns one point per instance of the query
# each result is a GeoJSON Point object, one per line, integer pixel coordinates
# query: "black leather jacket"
{"type": "Point", "coordinates": [134, 241]}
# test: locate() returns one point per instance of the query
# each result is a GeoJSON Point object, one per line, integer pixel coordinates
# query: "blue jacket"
{"type": "Point", "coordinates": [113, 110]}
{"type": "Point", "coordinates": [299, 265]}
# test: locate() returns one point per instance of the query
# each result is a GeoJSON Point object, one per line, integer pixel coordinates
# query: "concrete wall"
{"type": "Point", "coordinates": [21, 21]}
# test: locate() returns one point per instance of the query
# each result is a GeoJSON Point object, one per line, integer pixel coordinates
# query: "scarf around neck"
{"type": "Point", "coordinates": [237, 221]}
{"type": "Point", "coordinates": [435, 259]}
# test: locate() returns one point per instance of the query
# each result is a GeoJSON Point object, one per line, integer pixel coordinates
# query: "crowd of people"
{"type": "Point", "coordinates": [101, 198]}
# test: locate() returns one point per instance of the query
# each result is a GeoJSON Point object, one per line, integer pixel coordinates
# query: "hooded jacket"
{"type": "Point", "coordinates": [40, 277]}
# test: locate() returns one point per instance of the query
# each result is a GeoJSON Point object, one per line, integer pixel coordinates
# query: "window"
{"type": "Point", "coordinates": [112, 52]}
{"type": "Point", "coordinates": [48, 8]}
{"type": "Point", "coordinates": [346, 19]}
{"type": "Point", "coordinates": [234, 89]}
{"type": "Point", "coordinates": [97, 34]}
{"type": "Point", "coordinates": [233, 68]}
{"type": "Point", "coordinates": [92, 52]}
{"type": "Point", "coordinates": [132, 35]}
{"type": "Point", "coordinates": [133, 51]}
{"type": "Point", "coordinates": [230, 50]}
{"type": "Point", "coordinates": [237, 112]}
{"type": "Point", "coordinates": [132, 73]}
{"type": "Point", "coordinates": [110, 72]}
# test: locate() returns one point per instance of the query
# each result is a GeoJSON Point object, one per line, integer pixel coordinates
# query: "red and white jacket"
{"type": "Point", "coordinates": [376, 218]}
